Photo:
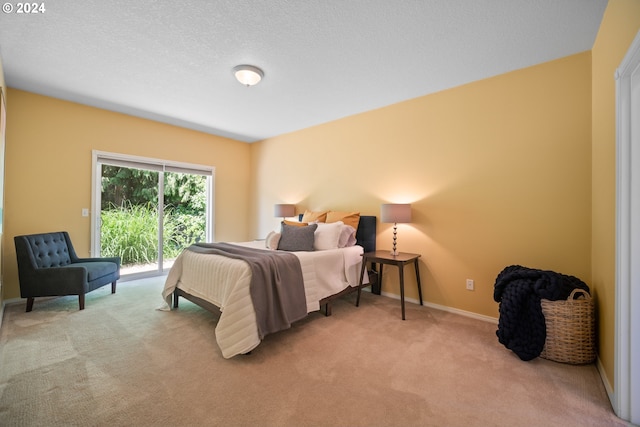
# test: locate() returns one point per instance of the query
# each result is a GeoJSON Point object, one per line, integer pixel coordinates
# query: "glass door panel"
{"type": "Point", "coordinates": [185, 209]}
{"type": "Point", "coordinates": [129, 217]}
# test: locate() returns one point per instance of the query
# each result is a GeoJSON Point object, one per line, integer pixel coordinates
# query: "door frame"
{"type": "Point", "coordinates": [627, 347]}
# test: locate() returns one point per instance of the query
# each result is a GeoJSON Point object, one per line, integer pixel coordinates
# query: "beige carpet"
{"type": "Point", "coordinates": [120, 362]}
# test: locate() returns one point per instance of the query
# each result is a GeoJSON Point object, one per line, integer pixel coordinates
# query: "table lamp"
{"type": "Point", "coordinates": [284, 210]}
{"type": "Point", "coordinates": [395, 213]}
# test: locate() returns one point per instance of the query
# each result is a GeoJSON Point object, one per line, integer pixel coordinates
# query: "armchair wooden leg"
{"type": "Point", "coordinates": [113, 287]}
{"type": "Point", "coordinates": [81, 301]}
{"type": "Point", "coordinates": [30, 304]}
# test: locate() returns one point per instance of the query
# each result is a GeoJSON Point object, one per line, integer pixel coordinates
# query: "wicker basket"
{"type": "Point", "coordinates": [570, 329]}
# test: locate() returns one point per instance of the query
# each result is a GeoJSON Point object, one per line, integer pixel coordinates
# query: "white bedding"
{"type": "Point", "coordinates": [225, 282]}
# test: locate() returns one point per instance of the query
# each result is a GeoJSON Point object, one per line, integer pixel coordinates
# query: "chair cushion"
{"type": "Point", "coordinates": [96, 270]}
{"type": "Point", "coordinates": [49, 250]}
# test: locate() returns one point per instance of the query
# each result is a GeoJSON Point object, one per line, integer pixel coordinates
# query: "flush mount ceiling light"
{"type": "Point", "coordinates": [248, 75]}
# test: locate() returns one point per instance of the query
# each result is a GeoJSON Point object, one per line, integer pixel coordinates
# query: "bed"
{"type": "Point", "coordinates": [221, 277]}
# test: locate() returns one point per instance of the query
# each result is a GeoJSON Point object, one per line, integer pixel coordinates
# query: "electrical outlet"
{"type": "Point", "coordinates": [470, 285]}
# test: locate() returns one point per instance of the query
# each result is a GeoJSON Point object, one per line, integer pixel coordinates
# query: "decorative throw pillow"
{"type": "Point", "coordinates": [297, 238]}
{"type": "Point", "coordinates": [327, 235]}
{"type": "Point", "coordinates": [295, 223]}
{"type": "Point", "coordinates": [347, 237]}
{"type": "Point", "coordinates": [349, 218]}
{"type": "Point", "coordinates": [272, 240]}
{"type": "Point", "coordinates": [319, 216]}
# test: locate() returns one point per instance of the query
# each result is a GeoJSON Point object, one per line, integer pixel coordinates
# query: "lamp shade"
{"type": "Point", "coordinates": [395, 212]}
{"type": "Point", "coordinates": [284, 210]}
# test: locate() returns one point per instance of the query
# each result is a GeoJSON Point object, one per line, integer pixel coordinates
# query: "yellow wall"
{"type": "Point", "coordinates": [2, 157]}
{"type": "Point", "coordinates": [619, 26]}
{"type": "Point", "coordinates": [48, 172]}
{"type": "Point", "coordinates": [498, 172]}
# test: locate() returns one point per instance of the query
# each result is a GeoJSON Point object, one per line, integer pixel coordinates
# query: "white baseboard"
{"type": "Point", "coordinates": [445, 308]}
{"type": "Point", "coordinates": [605, 381]}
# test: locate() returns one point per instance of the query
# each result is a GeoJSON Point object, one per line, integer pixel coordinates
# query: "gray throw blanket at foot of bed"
{"type": "Point", "coordinates": [521, 327]}
{"type": "Point", "coordinates": [276, 286]}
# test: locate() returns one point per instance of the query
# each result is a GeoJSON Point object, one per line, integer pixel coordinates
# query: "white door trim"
{"type": "Point", "coordinates": [627, 346]}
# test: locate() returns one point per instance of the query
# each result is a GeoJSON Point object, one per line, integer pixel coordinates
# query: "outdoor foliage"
{"type": "Point", "coordinates": [130, 232]}
{"type": "Point", "coordinates": [135, 186]}
{"type": "Point", "coordinates": [129, 216]}
{"type": "Point", "coordinates": [139, 187]}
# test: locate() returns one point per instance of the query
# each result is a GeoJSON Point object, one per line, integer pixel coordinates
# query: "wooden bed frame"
{"type": "Point", "coordinates": [365, 237]}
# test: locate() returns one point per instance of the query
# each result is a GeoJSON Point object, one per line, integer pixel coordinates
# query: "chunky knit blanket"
{"type": "Point", "coordinates": [521, 327]}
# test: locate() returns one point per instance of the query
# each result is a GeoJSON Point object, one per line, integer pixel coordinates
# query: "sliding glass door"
{"type": "Point", "coordinates": [146, 210]}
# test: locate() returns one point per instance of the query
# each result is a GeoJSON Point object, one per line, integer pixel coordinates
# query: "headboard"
{"type": "Point", "coordinates": [366, 233]}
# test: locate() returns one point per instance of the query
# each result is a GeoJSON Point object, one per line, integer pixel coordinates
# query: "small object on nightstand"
{"type": "Point", "coordinates": [399, 260]}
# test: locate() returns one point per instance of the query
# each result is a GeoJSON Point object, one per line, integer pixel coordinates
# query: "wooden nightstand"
{"type": "Point", "coordinates": [400, 260]}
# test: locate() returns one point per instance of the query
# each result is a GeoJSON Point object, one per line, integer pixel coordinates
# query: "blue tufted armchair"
{"type": "Point", "coordinates": [48, 266]}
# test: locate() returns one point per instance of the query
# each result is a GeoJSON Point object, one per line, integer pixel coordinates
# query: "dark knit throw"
{"type": "Point", "coordinates": [521, 327]}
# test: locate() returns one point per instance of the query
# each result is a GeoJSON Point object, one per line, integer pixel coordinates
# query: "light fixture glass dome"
{"type": "Point", "coordinates": [248, 75]}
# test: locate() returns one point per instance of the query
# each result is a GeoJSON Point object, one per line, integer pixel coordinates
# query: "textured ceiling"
{"type": "Point", "coordinates": [171, 61]}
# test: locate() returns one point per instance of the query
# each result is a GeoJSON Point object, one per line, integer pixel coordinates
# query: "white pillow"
{"type": "Point", "coordinates": [326, 235]}
{"type": "Point", "coordinates": [272, 240]}
{"type": "Point", "coordinates": [347, 236]}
